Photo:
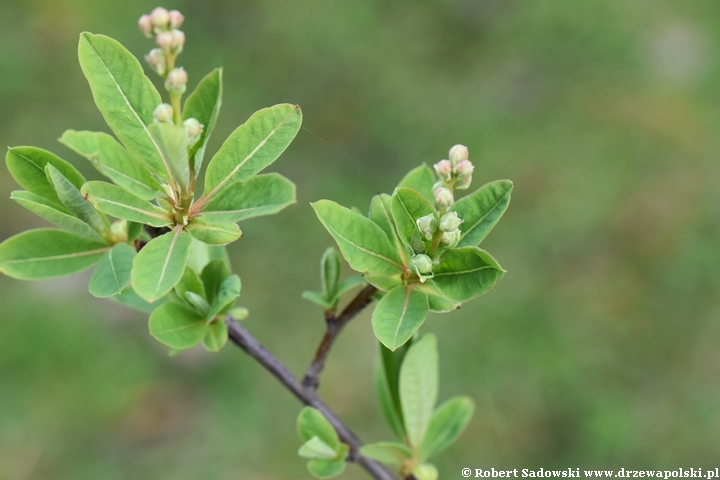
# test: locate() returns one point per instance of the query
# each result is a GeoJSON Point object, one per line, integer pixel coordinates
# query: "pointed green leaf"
{"type": "Point", "coordinates": [389, 453]}
{"type": "Point", "coordinates": [120, 203]}
{"type": "Point", "coordinates": [204, 105]}
{"type": "Point", "coordinates": [201, 254]}
{"type": "Point", "coordinates": [74, 201]}
{"type": "Point", "coordinates": [212, 276]}
{"type": "Point", "coordinates": [481, 210]}
{"type": "Point", "coordinates": [48, 253]}
{"type": "Point", "coordinates": [391, 361]}
{"type": "Point", "coordinates": [349, 283]}
{"type": "Point", "coordinates": [129, 298]}
{"type": "Point", "coordinates": [407, 206]}
{"type": "Point", "coordinates": [384, 283]}
{"type": "Point", "coordinates": [125, 97]}
{"type": "Point", "coordinates": [55, 214]}
{"type": "Point", "coordinates": [326, 468]}
{"type": "Point", "coordinates": [228, 291]}
{"type": "Point", "coordinates": [190, 282]}
{"type": "Point", "coordinates": [464, 273]}
{"type": "Point", "coordinates": [436, 301]}
{"type": "Point", "coordinates": [446, 425]}
{"type": "Point", "coordinates": [316, 448]}
{"type": "Point", "coordinates": [419, 387]}
{"type": "Point", "coordinates": [330, 270]}
{"type": "Point", "coordinates": [112, 274]}
{"type": "Point", "coordinates": [112, 160]}
{"type": "Point", "coordinates": [216, 336]}
{"type": "Point", "coordinates": [389, 412]}
{"type": "Point", "coordinates": [159, 266]}
{"type": "Point", "coordinates": [363, 244]}
{"type": "Point", "coordinates": [172, 141]}
{"type": "Point", "coordinates": [381, 214]}
{"type": "Point", "coordinates": [252, 146]}
{"type": "Point", "coordinates": [317, 299]}
{"type": "Point", "coordinates": [311, 423]}
{"type": "Point", "coordinates": [213, 233]}
{"type": "Point", "coordinates": [421, 179]}
{"type": "Point", "coordinates": [27, 166]}
{"type": "Point", "coordinates": [177, 326]}
{"type": "Point", "coordinates": [197, 302]}
{"type": "Point", "coordinates": [261, 195]}
{"type": "Point", "coordinates": [398, 315]}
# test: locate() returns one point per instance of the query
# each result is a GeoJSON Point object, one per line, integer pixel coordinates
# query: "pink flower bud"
{"type": "Point", "coordinates": [444, 169]}
{"type": "Point", "coordinates": [156, 60]}
{"type": "Point", "coordinates": [160, 18]}
{"type": "Point", "coordinates": [464, 184]}
{"type": "Point", "coordinates": [443, 197]}
{"type": "Point", "coordinates": [176, 81]}
{"type": "Point", "coordinates": [176, 19]}
{"type": "Point", "coordinates": [458, 153]}
{"type": "Point", "coordinates": [178, 40]}
{"type": "Point", "coordinates": [145, 24]}
{"type": "Point", "coordinates": [164, 40]}
{"type": "Point", "coordinates": [464, 168]}
{"type": "Point", "coordinates": [163, 113]}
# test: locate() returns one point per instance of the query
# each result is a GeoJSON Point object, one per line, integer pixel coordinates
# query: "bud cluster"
{"type": "Point", "coordinates": [455, 173]}
{"type": "Point", "coordinates": [163, 26]}
{"type": "Point", "coordinates": [422, 266]}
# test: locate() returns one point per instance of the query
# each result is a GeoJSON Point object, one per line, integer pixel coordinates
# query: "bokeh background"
{"type": "Point", "coordinates": [599, 349]}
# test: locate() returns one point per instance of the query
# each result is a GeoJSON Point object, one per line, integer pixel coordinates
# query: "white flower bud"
{"type": "Point", "coordinates": [160, 18]}
{"type": "Point", "coordinates": [194, 129]}
{"type": "Point", "coordinates": [422, 263]}
{"type": "Point", "coordinates": [458, 153]}
{"type": "Point", "coordinates": [176, 81]}
{"type": "Point", "coordinates": [145, 25]}
{"type": "Point", "coordinates": [443, 197]}
{"type": "Point", "coordinates": [163, 113]}
{"type": "Point", "coordinates": [156, 60]}
{"type": "Point", "coordinates": [239, 313]}
{"type": "Point", "coordinates": [464, 183]}
{"type": "Point", "coordinates": [164, 40]}
{"type": "Point", "coordinates": [427, 225]}
{"type": "Point", "coordinates": [451, 238]}
{"type": "Point", "coordinates": [176, 18]}
{"type": "Point", "coordinates": [450, 221]}
{"type": "Point", "coordinates": [444, 169]}
{"type": "Point", "coordinates": [178, 40]}
{"type": "Point", "coordinates": [464, 168]}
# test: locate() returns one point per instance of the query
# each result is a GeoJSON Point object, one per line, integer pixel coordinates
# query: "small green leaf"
{"type": "Point", "coordinates": [55, 214]}
{"type": "Point", "coordinates": [363, 244]}
{"type": "Point", "coordinates": [398, 315]}
{"type": "Point", "coordinates": [212, 276]}
{"type": "Point", "coordinates": [190, 282]}
{"type": "Point", "coordinates": [436, 301]}
{"type": "Point", "coordinates": [481, 210]}
{"type": "Point", "coordinates": [330, 270]}
{"type": "Point", "coordinates": [261, 195]}
{"type": "Point", "coordinates": [390, 413]}
{"type": "Point", "coordinates": [160, 265]}
{"type": "Point", "coordinates": [421, 179]}
{"type": "Point", "coordinates": [311, 423]}
{"type": "Point", "coordinates": [465, 273]}
{"type": "Point", "coordinates": [216, 336]}
{"type": "Point", "coordinates": [446, 425]}
{"type": "Point", "coordinates": [381, 214]}
{"type": "Point", "coordinates": [48, 253]}
{"type": "Point", "coordinates": [389, 453]}
{"type": "Point", "coordinates": [120, 203]}
{"type": "Point", "coordinates": [228, 291]}
{"type": "Point", "coordinates": [213, 233]}
{"type": "Point", "coordinates": [384, 283]}
{"type": "Point", "coordinates": [172, 142]}
{"type": "Point", "coordinates": [177, 326]}
{"type": "Point", "coordinates": [134, 229]}
{"type": "Point", "coordinates": [112, 160]}
{"type": "Point", "coordinates": [112, 274]}
{"type": "Point", "coordinates": [349, 283]}
{"type": "Point", "coordinates": [129, 298]}
{"type": "Point", "coordinates": [197, 302]}
{"type": "Point", "coordinates": [316, 448]}
{"type": "Point", "coordinates": [407, 206]}
{"type": "Point", "coordinates": [318, 299]}
{"type": "Point", "coordinates": [74, 201]}
{"type": "Point", "coordinates": [27, 166]}
{"type": "Point", "coordinates": [201, 254]}
{"type": "Point", "coordinates": [326, 468]}
{"type": "Point", "coordinates": [204, 105]}
{"type": "Point", "coordinates": [419, 387]}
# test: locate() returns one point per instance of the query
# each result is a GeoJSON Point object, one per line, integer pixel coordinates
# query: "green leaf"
{"type": "Point", "coordinates": [398, 315]}
{"type": "Point", "coordinates": [316, 448]}
{"type": "Point", "coordinates": [125, 97]}
{"type": "Point", "coordinates": [407, 206]}
{"type": "Point", "coordinates": [261, 195]}
{"type": "Point", "coordinates": [228, 291]}
{"type": "Point", "coordinates": [74, 201]}
{"type": "Point", "coordinates": [201, 254]}
{"type": "Point", "coordinates": [326, 468]}
{"type": "Point", "coordinates": [419, 387]}
{"type": "Point", "coordinates": [129, 298]}
{"type": "Point", "coordinates": [172, 141]}
{"type": "Point", "coordinates": [204, 105]}
{"type": "Point", "coordinates": [390, 413]}
{"type": "Point", "coordinates": [349, 283]}
{"type": "Point", "coordinates": [436, 301]}
{"type": "Point", "coordinates": [384, 283]}
{"type": "Point", "coordinates": [177, 326]}
{"type": "Point", "coordinates": [27, 166]}
{"type": "Point", "coordinates": [112, 160]}
{"type": "Point", "coordinates": [389, 453]}
{"type": "Point", "coordinates": [481, 210]}
{"type": "Point", "coordinates": [48, 253]}
{"type": "Point", "coordinates": [216, 336]}
{"type": "Point", "coordinates": [160, 265]}
{"type": "Point", "coordinates": [464, 273]}
{"type": "Point", "coordinates": [134, 229]}
{"type": "Point", "coordinates": [253, 146]}
{"type": "Point", "coordinates": [112, 274]}
{"type": "Point", "coordinates": [381, 214]}
{"type": "Point", "coordinates": [190, 282]}
{"type": "Point", "coordinates": [421, 179]}
{"type": "Point", "coordinates": [330, 270]}
{"type": "Point", "coordinates": [318, 299]}
{"type": "Point", "coordinates": [120, 203]}
{"type": "Point", "coordinates": [311, 423]}
{"type": "Point", "coordinates": [446, 425]}
{"type": "Point", "coordinates": [363, 244]}
{"type": "Point", "coordinates": [55, 214]}
{"type": "Point", "coordinates": [425, 471]}
{"type": "Point", "coordinates": [212, 276]}
{"type": "Point", "coordinates": [197, 302]}
{"type": "Point", "coordinates": [213, 233]}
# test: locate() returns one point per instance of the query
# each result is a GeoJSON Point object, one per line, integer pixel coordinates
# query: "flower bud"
{"type": "Point", "coordinates": [176, 81]}
{"type": "Point", "coordinates": [464, 183]}
{"type": "Point", "coordinates": [239, 313]}
{"type": "Point", "coordinates": [451, 238]}
{"type": "Point", "coordinates": [458, 153]}
{"type": "Point", "coordinates": [444, 169]}
{"type": "Point", "coordinates": [160, 18]}
{"type": "Point", "coordinates": [450, 221]}
{"type": "Point", "coordinates": [163, 113]}
{"type": "Point", "coordinates": [425, 471]}
{"type": "Point", "coordinates": [156, 60]}
{"type": "Point", "coordinates": [422, 263]}
{"type": "Point", "coordinates": [145, 25]}
{"type": "Point", "coordinates": [194, 129]}
{"type": "Point", "coordinates": [178, 40]}
{"type": "Point", "coordinates": [164, 40]}
{"type": "Point", "coordinates": [176, 19]}
{"type": "Point", "coordinates": [427, 225]}
{"type": "Point", "coordinates": [464, 168]}
{"type": "Point", "coordinates": [443, 197]}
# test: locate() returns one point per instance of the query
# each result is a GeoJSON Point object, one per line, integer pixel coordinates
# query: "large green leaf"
{"type": "Point", "coordinates": [120, 203]}
{"type": "Point", "coordinates": [204, 105]}
{"type": "Point", "coordinates": [311, 423]}
{"type": "Point", "coordinates": [421, 179]}
{"type": "Point", "coordinates": [172, 141]}
{"type": "Point", "coordinates": [216, 336]}
{"type": "Point", "coordinates": [446, 425]}
{"type": "Point", "coordinates": [464, 273]}
{"type": "Point", "coordinates": [125, 97]}
{"type": "Point", "coordinates": [177, 326]}
{"type": "Point", "coordinates": [129, 298]}
{"type": "Point", "coordinates": [381, 214]}
{"type": "Point", "coordinates": [74, 201]}
{"type": "Point", "coordinates": [47, 253]}
{"type": "Point", "coordinates": [159, 266]}
{"type": "Point", "coordinates": [363, 244]}
{"type": "Point", "coordinates": [419, 387]}
{"type": "Point", "coordinates": [252, 146]}
{"type": "Point", "coordinates": [55, 214]}
{"type": "Point", "coordinates": [436, 301]}
{"type": "Point", "coordinates": [481, 210]}
{"type": "Point", "coordinates": [112, 274]}
{"type": "Point", "coordinates": [260, 195]}
{"type": "Point", "coordinates": [390, 413]}
{"type": "Point", "coordinates": [213, 233]}
{"type": "Point", "coordinates": [112, 160]}
{"type": "Point", "coordinates": [407, 206]}
{"type": "Point", "coordinates": [27, 166]}
{"type": "Point", "coordinates": [398, 315]}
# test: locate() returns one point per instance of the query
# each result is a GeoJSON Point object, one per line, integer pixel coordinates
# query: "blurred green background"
{"type": "Point", "coordinates": [599, 348]}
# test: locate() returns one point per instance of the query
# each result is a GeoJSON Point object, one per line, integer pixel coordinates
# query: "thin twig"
{"type": "Point", "coordinates": [243, 339]}
{"type": "Point", "coordinates": [334, 325]}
